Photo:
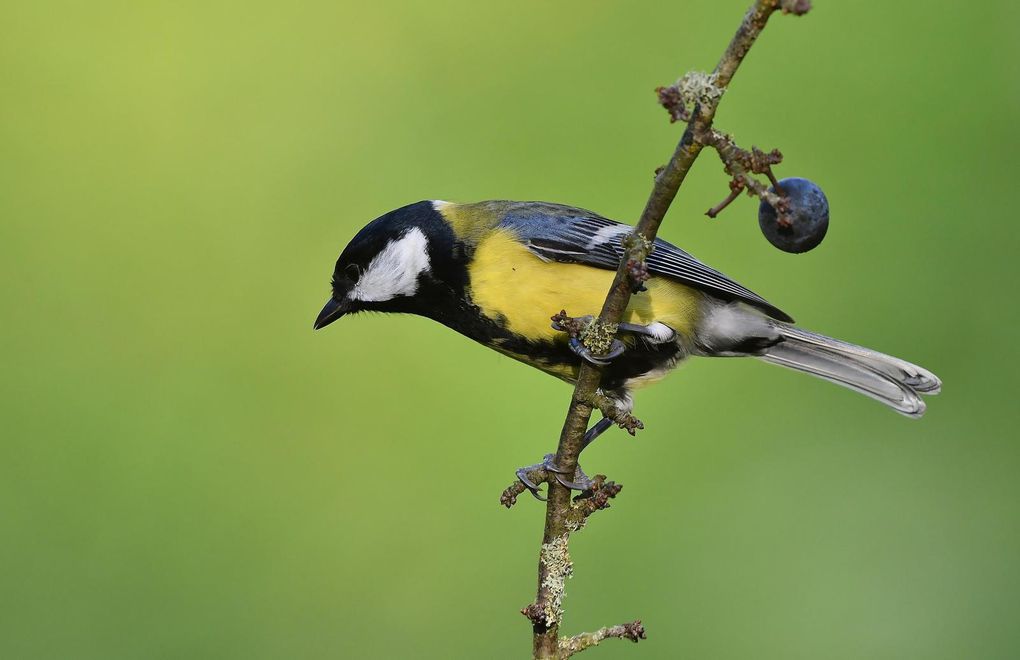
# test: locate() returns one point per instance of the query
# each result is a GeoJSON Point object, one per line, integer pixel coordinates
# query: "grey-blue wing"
{"type": "Point", "coordinates": [572, 235]}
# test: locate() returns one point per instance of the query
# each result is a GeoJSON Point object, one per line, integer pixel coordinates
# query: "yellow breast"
{"type": "Point", "coordinates": [510, 284]}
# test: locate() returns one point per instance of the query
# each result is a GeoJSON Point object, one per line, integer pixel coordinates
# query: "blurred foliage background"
{"type": "Point", "coordinates": [188, 471]}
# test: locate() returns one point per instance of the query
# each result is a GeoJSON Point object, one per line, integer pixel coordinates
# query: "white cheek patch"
{"type": "Point", "coordinates": [394, 271]}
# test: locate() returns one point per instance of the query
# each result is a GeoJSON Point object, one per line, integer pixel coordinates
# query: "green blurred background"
{"type": "Point", "coordinates": [188, 471]}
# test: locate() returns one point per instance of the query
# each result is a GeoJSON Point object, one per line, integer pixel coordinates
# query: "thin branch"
{"type": "Point", "coordinates": [633, 631]}
{"type": "Point", "coordinates": [554, 561]}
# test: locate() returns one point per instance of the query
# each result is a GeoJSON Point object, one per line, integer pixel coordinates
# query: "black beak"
{"type": "Point", "coordinates": [333, 310]}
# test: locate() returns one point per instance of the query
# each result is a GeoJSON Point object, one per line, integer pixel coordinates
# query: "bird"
{"type": "Point", "coordinates": [493, 270]}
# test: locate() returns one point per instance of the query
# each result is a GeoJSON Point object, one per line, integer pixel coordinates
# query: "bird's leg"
{"type": "Point", "coordinates": [594, 432]}
{"type": "Point", "coordinates": [585, 331]}
{"type": "Point", "coordinates": [526, 475]}
{"type": "Point", "coordinates": [578, 481]}
{"type": "Point", "coordinates": [590, 339]}
{"type": "Point", "coordinates": [616, 350]}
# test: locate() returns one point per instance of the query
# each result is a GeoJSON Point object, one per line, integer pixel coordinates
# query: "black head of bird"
{"type": "Point", "coordinates": [391, 266]}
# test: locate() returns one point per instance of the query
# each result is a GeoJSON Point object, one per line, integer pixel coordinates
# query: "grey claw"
{"type": "Point", "coordinates": [600, 360]}
{"type": "Point", "coordinates": [615, 351]}
{"type": "Point", "coordinates": [581, 350]}
{"type": "Point", "coordinates": [579, 482]}
{"type": "Point", "coordinates": [522, 474]}
{"type": "Point", "coordinates": [573, 485]}
{"type": "Point", "coordinates": [549, 463]}
{"type": "Point", "coordinates": [532, 487]}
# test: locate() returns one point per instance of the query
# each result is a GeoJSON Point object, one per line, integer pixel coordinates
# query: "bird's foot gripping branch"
{"type": "Point", "coordinates": [596, 343]}
{"type": "Point", "coordinates": [693, 100]}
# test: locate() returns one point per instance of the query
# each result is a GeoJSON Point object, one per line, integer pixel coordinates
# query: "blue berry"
{"type": "Point", "coordinates": [802, 225]}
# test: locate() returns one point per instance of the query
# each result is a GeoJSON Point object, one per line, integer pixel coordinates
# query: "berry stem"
{"type": "Point", "coordinates": [736, 187]}
{"type": "Point", "coordinates": [775, 182]}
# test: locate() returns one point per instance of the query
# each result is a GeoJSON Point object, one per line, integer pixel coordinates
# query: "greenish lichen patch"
{"type": "Point", "coordinates": [699, 87]}
{"type": "Point", "coordinates": [575, 523]}
{"type": "Point", "coordinates": [555, 560]}
{"type": "Point", "coordinates": [598, 336]}
{"type": "Point", "coordinates": [635, 241]}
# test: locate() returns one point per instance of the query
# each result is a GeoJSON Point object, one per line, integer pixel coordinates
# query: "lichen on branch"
{"type": "Point", "coordinates": [692, 89]}
{"type": "Point", "coordinates": [634, 631]}
{"type": "Point", "coordinates": [554, 558]}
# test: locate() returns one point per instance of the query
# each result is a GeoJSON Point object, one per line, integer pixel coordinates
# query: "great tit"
{"type": "Point", "coordinates": [495, 271]}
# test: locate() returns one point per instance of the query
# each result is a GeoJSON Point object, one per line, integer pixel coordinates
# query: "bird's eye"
{"type": "Point", "coordinates": [353, 273]}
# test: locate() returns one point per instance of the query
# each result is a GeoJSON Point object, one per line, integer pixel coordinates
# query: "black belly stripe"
{"type": "Point", "coordinates": [640, 358]}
